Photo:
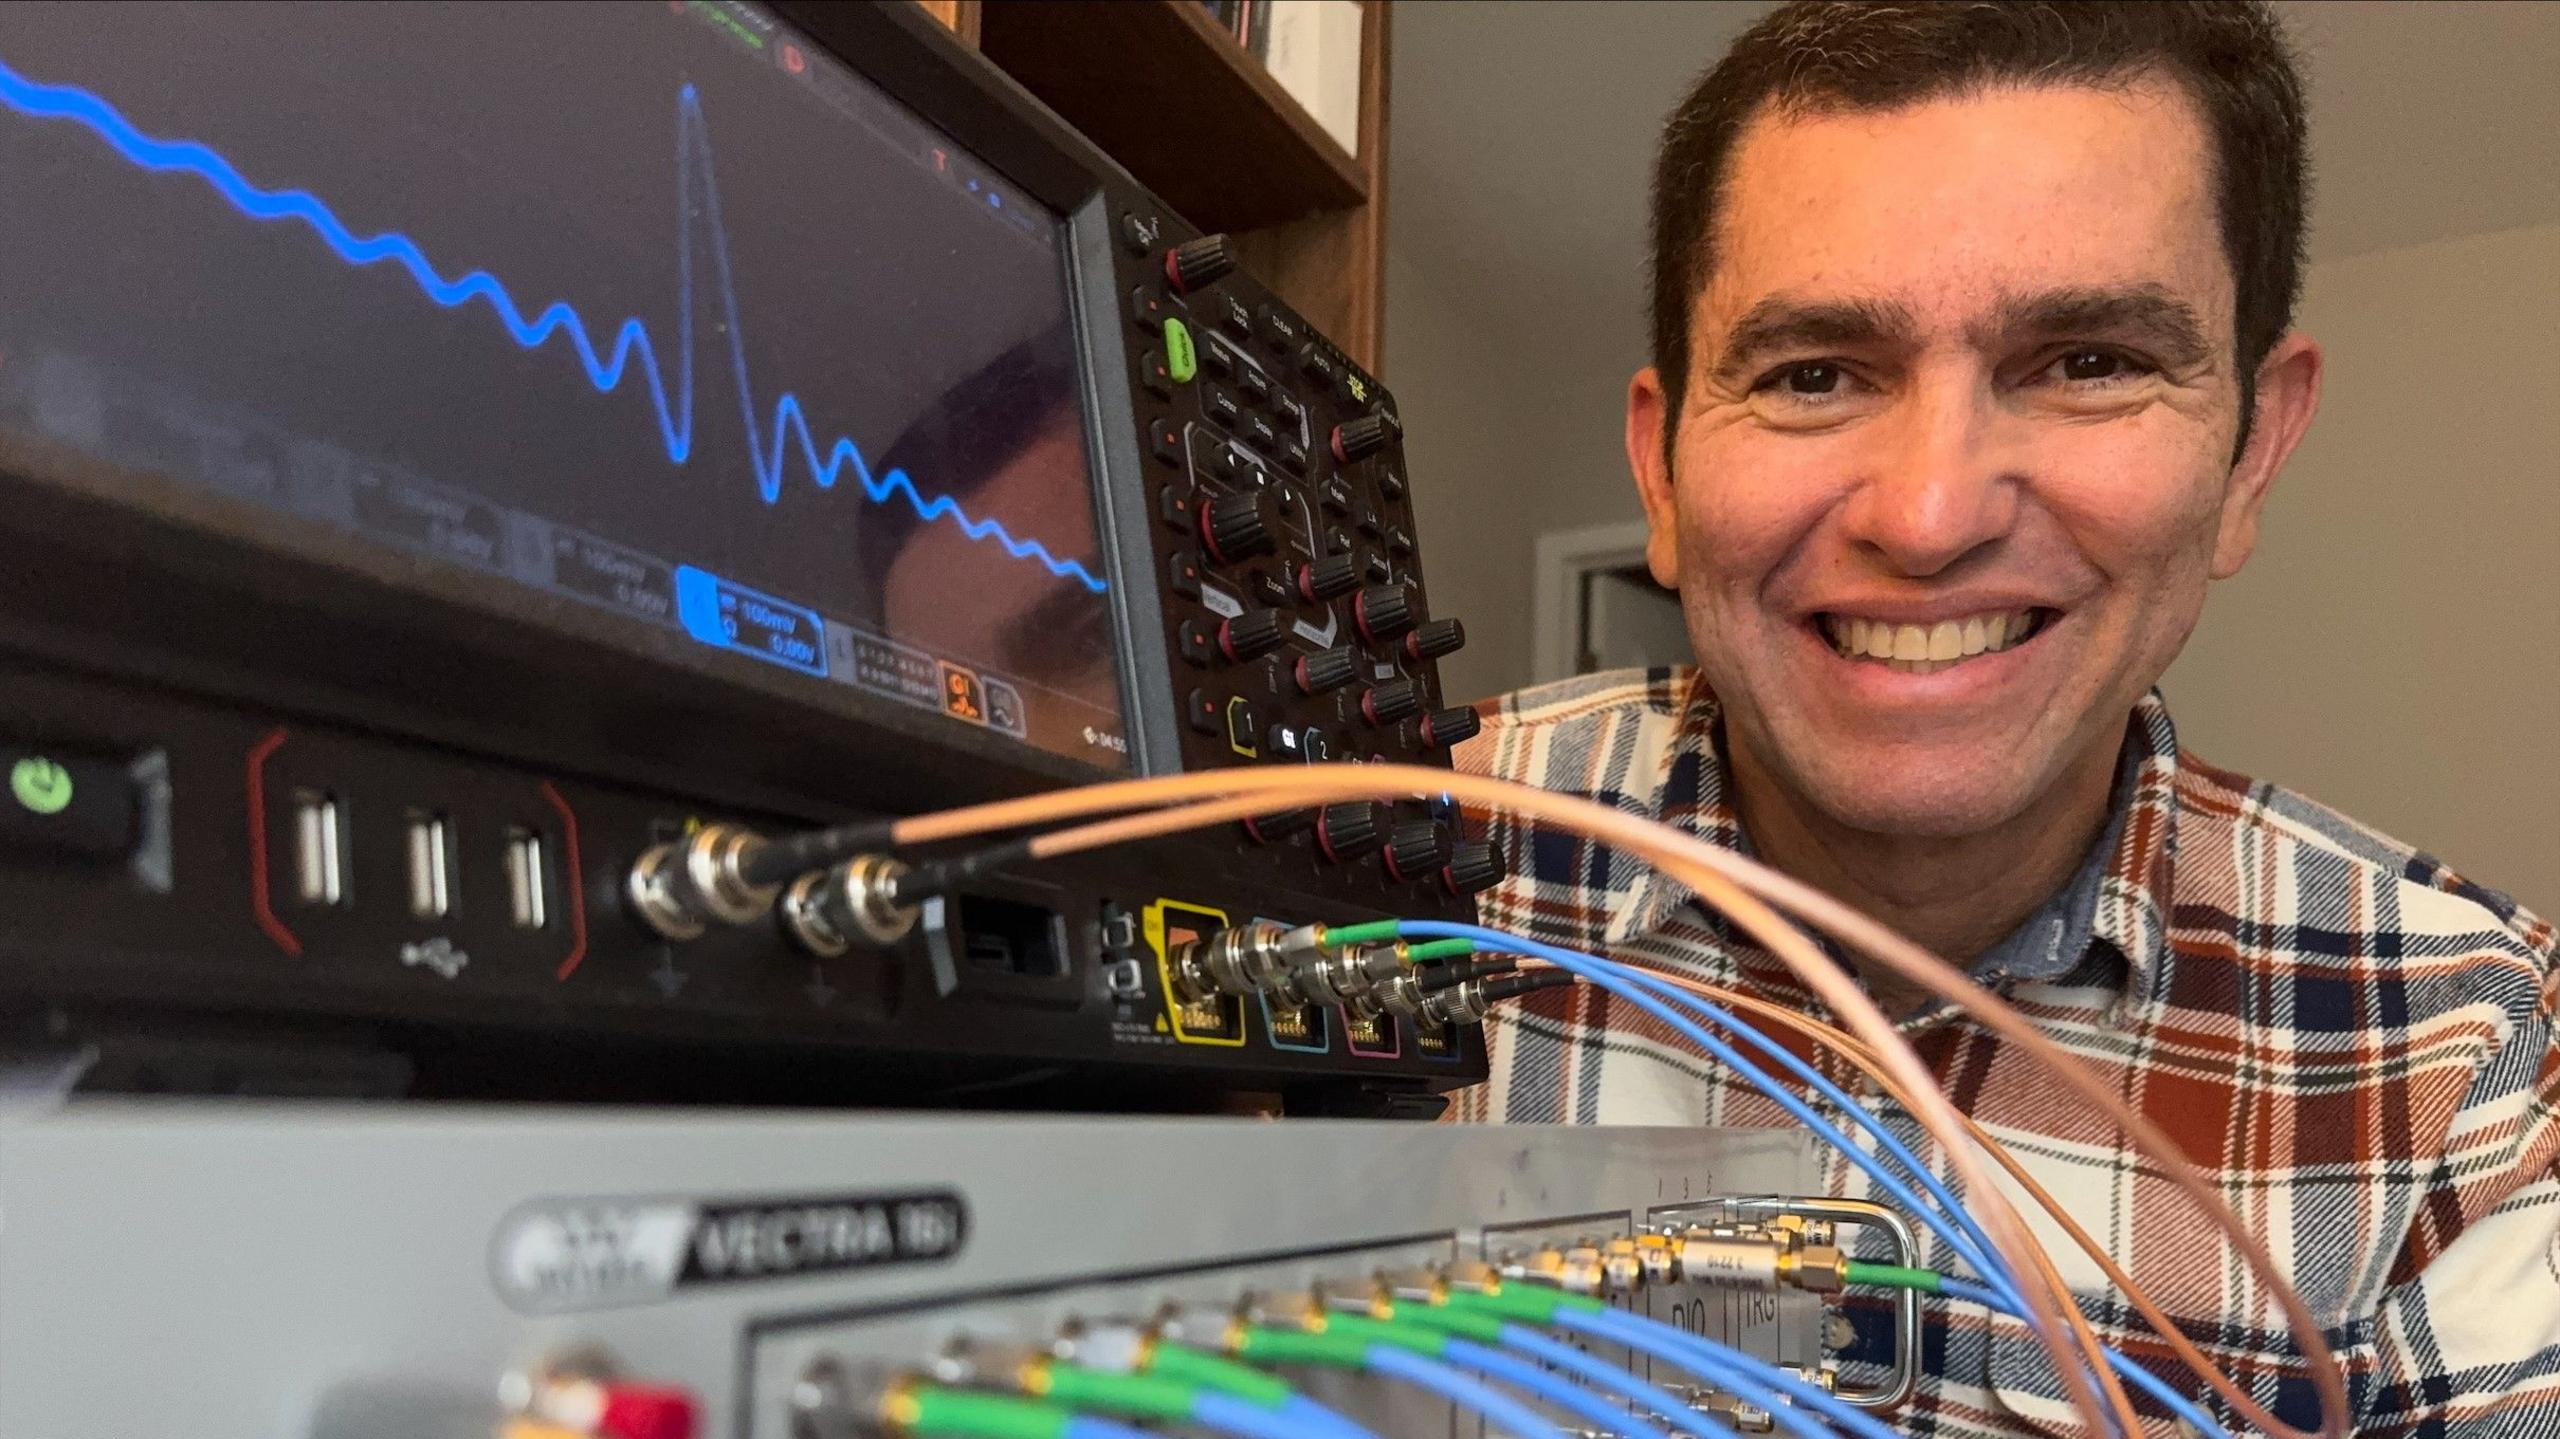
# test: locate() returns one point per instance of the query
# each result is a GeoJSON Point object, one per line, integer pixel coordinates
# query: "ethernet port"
{"type": "Point", "coordinates": [1003, 936]}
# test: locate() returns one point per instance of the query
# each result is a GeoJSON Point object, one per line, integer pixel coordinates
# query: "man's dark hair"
{"type": "Point", "coordinates": [1828, 56]}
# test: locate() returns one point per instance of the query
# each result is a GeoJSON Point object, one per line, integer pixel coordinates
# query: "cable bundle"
{"type": "Point", "coordinates": [2014, 1275]}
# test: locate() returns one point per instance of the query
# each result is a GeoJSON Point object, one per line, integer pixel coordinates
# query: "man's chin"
{"type": "Point", "coordinates": [1922, 795]}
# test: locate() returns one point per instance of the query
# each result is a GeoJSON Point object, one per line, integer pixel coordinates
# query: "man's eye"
{"type": "Point", "coordinates": [2095, 367]}
{"type": "Point", "coordinates": [1809, 378]}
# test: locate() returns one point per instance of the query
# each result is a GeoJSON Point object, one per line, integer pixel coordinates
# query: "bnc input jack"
{"type": "Point", "coordinates": [682, 887]}
{"type": "Point", "coordinates": [830, 911]}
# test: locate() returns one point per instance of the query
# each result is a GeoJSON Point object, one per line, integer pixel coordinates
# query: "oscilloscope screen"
{"type": "Point", "coordinates": [653, 306]}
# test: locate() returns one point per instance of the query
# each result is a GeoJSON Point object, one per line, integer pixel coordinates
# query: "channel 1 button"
{"type": "Point", "coordinates": [67, 805]}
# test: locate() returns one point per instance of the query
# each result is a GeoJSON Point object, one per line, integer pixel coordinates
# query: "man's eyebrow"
{"type": "Point", "coordinates": [2149, 314]}
{"type": "Point", "coordinates": [1781, 323]}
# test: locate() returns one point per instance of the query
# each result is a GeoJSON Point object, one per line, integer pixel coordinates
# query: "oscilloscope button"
{"type": "Point", "coordinates": [1182, 573]}
{"type": "Point", "coordinates": [1222, 405]}
{"type": "Point", "coordinates": [1280, 329]}
{"type": "Point", "coordinates": [1260, 433]}
{"type": "Point", "coordinates": [1318, 365]}
{"type": "Point", "coordinates": [1197, 644]}
{"type": "Point", "coordinates": [1203, 711]}
{"type": "Point", "coordinates": [1140, 233]}
{"type": "Point", "coordinates": [1293, 454]}
{"type": "Point", "coordinates": [1158, 375]}
{"type": "Point", "coordinates": [1233, 315]}
{"type": "Point", "coordinates": [1256, 386]}
{"type": "Point", "coordinates": [1150, 307]}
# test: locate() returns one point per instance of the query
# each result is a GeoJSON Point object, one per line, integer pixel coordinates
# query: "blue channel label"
{"type": "Point", "coordinates": [732, 617]}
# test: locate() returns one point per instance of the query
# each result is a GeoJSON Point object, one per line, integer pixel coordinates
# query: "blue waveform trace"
{"type": "Point", "coordinates": [790, 429]}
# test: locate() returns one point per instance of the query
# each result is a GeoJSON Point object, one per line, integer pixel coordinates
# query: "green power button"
{"type": "Point", "coordinates": [40, 784]}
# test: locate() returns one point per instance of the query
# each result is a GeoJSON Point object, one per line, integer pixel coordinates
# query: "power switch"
{"type": "Point", "coordinates": [69, 806]}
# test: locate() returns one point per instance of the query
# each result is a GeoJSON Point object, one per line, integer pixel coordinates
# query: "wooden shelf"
{"type": "Point", "coordinates": [1179, 103]}
{"type": "Point", "coordinates": [1198, 120]}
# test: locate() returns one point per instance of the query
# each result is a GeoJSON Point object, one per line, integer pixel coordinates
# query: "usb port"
{"type": "Point", "coordinates": [528, 879]}
{"type": "Point", "coordinates": [430, 866]}
{"type": "Point", "coordinates": [319, 857]}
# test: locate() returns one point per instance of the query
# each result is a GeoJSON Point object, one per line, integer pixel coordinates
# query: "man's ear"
{"type": "Point", "coordinates": [2288, 396]}
{"type": "Point", "coordinates": [1648, 421]}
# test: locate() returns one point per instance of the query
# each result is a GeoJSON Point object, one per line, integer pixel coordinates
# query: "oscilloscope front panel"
{"type": "Point", "coordinates": [425, 494]}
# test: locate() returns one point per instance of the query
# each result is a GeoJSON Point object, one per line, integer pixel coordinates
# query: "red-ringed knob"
{"type": "Point", "coordinates": [1386, 612]}
{"type": "Point", "coordinates": [1239, 526]}
{"type": "Point", "coordinates": [1472, 869]}
{"type": "Point", "coordinates": [1327, 577]}
{"type": "Point", "coordinates": [1434, 639]}
{"type": "Point", "coordinates": [1195, 263]}
{"type": "Point", "coordinates": [1385, 704]}
{"type": "Point", "coordinates": [1327, 670]}
{"type": "Point", "coordinates": [1270, 828]}
{"type": "Point", "coordinates": [1450, 728]}
{"type": "Point", "coordinates": [1351, 829]}
{"type": "Point", "coordinates": [1360, 438]}
{"type": "Point", "coordinates": [1415, 850]}
{"type": "Point", "coordinates": [1251, 635]}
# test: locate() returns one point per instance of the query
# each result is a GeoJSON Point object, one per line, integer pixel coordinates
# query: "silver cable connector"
{"type": "Point", "coordinates": [682, 887]}
{"type": "Point", "coordinates": [830, 911]}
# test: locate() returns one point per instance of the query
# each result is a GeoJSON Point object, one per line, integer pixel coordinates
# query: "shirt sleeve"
{"type": "Point", "coordinates": [2467, 1338]}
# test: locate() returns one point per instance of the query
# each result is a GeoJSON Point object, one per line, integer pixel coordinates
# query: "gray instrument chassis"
{"type": "Point", "coordinates": [326, 1272]}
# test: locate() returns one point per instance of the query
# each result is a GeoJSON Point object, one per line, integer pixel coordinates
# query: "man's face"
{"type": "Point", "coordinates": [1954, 465]}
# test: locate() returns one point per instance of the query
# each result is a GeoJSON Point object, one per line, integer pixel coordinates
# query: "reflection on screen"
{"type": "Point", "coordinates": [649, 306]}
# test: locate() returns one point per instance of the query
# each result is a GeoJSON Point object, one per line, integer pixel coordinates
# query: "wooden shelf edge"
{"type": "Point", "coordinates": [1179, 103]}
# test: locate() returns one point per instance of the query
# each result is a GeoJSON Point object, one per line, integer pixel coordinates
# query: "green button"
{"type": "Point", "coordinates": [41, 785]}
{"type": "Point", "coordinates": [1179, 358]}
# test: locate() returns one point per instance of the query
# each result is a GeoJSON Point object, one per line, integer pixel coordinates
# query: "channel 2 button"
{"type": "Point", "coordinates": [67, 806]}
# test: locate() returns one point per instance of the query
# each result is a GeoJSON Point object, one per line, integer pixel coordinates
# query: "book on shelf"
{"type": "Point", "coordinates": [1312, 47]}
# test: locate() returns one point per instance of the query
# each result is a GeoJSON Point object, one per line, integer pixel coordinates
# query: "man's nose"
{"type": "Point", "coordinates": [1940, 481]}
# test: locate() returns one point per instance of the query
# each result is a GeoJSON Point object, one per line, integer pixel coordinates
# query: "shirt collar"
{"type": "Point", "coordinates": [2119, 898]}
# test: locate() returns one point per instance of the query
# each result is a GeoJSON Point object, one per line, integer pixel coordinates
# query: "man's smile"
{"type": "Point", "coordinates": [1927, 648]}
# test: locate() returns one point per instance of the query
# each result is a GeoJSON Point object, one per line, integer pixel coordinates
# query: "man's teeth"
{"type": "Point", "coordinates": [1922, 649]}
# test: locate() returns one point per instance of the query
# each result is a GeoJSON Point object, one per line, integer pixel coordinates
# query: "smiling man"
{"type": "Point", "coordinates": [1973, 368]}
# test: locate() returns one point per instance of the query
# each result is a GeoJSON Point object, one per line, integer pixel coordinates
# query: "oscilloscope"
{"type": "Point", "coordinates": [450, 455]}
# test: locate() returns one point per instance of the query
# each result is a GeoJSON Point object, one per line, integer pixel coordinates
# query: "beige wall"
{"type": "Point", "coordinates": [2393, 649]}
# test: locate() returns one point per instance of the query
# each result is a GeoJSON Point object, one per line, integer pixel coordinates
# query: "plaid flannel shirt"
{"type": "Point", "coordinates": [2355, 1044]}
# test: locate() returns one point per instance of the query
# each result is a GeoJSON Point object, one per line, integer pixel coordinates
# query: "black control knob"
{"type": "Point", "coordinates": [1327, 669]}
{"type": "Point", "coordinates": [1251, 635]}
{"type": "Point", "coordinates": [1384, 612]}
{"type": "Point", "coordinates": [1472, 869]}
{"type": "Point", "coordinates": [1272, 828]}
{"type": "Point", "coordinates": [1392, 701]}
{"type": "Point", "coordinates": [1195, 263]}
{"type": "Point", "coordinates": [1416, 850]}
{"type": "Point", "coordinates": [1327, 577]}
{"type": "Point", "coordinates": [1360, 438]}
{"type": "Point", "coordinates": [1434, 639]}
{"type": "Point", "coordinates": [1239, 526]}
{"type": "Point", "coordinates": [1347, 831]}
{"type": "Point", "coordinates": [1450, 728]}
